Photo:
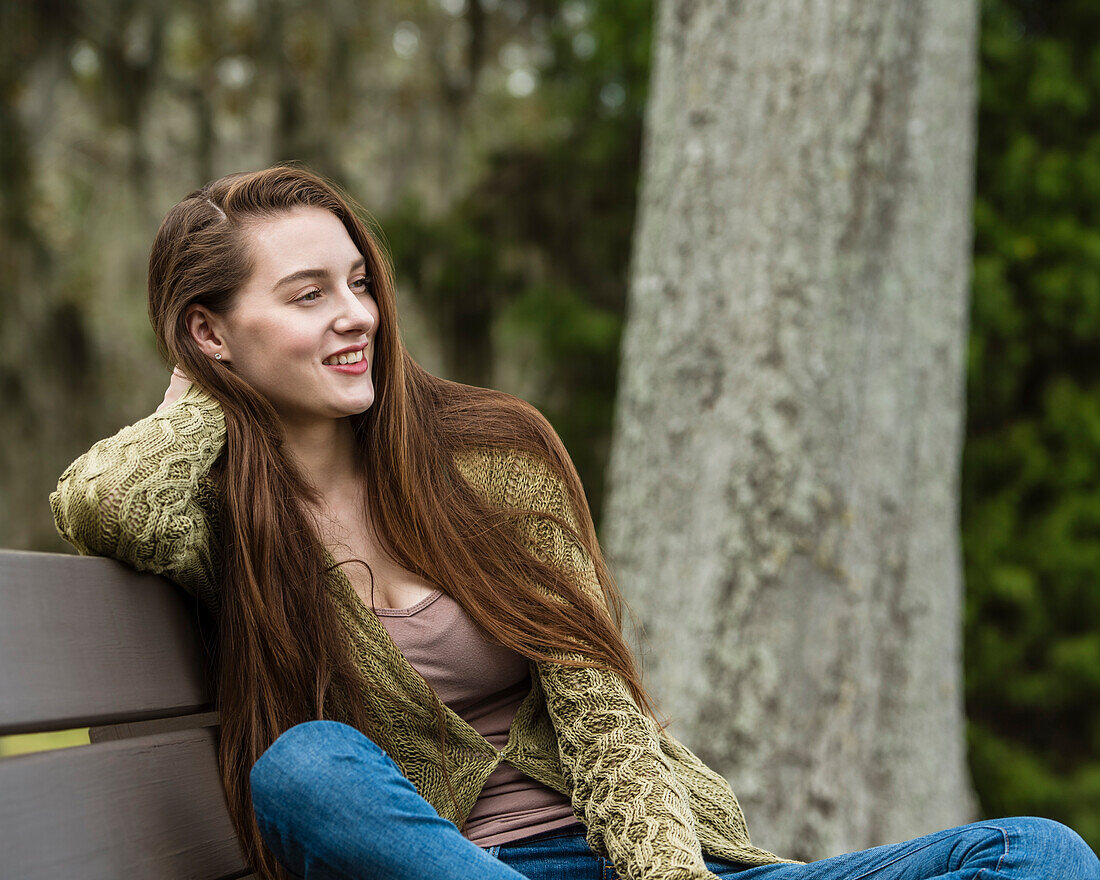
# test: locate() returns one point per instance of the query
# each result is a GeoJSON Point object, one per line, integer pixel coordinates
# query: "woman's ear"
{"type": "Point", "coordinates": [208, 332]}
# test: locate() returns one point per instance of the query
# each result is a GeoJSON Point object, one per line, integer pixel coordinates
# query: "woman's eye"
{"type": "Point", "coordinates": [302, 298]}
{"type": "Point", "coordinates": [364, 283]}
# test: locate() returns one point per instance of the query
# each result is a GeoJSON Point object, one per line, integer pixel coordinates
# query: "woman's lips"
{"type": "Point", "coordinates": [351, 369]}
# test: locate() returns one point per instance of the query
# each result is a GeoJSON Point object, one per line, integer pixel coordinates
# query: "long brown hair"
{"type": "Point", "coordinates": [281, 647]}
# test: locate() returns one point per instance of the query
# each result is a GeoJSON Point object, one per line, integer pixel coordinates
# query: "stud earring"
{"type": "Point", "coordinates": [218, 356]}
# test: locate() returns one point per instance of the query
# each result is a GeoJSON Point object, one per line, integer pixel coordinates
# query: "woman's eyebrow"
{"type": "Point", "coordinates": [303, 274]}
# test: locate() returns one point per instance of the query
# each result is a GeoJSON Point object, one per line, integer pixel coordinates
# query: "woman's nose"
{"type": "Point", "coordinates": [355, 313]}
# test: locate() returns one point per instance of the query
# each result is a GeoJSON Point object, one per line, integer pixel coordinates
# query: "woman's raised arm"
{"type": "Point", "coordinates": [143, 496]}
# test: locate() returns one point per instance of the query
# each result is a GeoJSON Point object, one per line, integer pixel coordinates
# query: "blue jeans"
{"type": "Point", "coordinates": [332, 805]}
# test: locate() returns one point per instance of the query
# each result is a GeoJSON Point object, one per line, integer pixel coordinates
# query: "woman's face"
{"type": "Point", "coordinates": [307, 301]}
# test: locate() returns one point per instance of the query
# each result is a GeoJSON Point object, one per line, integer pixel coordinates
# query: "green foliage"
{"type": "Point", "coordinates": [1031, 472]}
{"type": "Point", "coordinates": [535, 256]}
{"type": "Point", "coordinates": [577, 342]}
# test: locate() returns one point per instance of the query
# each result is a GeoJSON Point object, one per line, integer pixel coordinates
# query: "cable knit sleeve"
{"type": "Point", "coordinates": [142, 496]}
{"type": "Point", "coordinates": [636, 810]}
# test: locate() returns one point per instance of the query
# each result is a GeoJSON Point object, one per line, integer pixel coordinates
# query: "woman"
{"type": "Point", "coordinates": [419, 663]}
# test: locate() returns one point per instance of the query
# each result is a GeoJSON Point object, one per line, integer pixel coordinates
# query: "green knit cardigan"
{"type": "Point", "coordinates": [648, 803]}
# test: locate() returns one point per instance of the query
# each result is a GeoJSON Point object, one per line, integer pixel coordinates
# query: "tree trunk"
{"type": "Point", "coordinates": [783, 492]}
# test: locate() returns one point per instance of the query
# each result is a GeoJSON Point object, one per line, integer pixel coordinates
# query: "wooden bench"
{"type": "Point", "coordinates": [89, 642]}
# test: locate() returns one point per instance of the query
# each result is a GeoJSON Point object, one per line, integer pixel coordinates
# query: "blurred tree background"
{"type": "Point", "coordinates": [497, 143]}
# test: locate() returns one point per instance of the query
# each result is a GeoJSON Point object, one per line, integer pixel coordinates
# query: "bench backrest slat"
{"type": "Point", "coordinates": [88, 640]}
{"type": "Point", "coordinates": [145, 808]}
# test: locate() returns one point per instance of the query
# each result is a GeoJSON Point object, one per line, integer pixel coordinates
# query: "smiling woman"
{"type": "Point", "coordinates": [488, 713]}
{"type": "Point", "coordinates": [305, 480]}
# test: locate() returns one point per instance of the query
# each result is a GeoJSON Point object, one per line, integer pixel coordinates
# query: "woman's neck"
{"type": "Point", "coordinates": [325, 451]}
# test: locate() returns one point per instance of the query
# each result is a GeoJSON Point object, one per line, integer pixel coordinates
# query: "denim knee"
{"type": "Point", "coordinates": [1056, 851]}
{"type": "Point", "coordinates": [294, 766]}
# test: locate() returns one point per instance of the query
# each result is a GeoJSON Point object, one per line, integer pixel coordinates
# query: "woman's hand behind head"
{"type": "Point", "coordinates": [176, 388]}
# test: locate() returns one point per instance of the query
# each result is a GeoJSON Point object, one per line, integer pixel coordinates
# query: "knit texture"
{"type": "Point", "coordinates": [144, 497]}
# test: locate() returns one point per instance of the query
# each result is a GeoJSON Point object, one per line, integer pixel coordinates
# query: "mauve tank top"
{"type": "Point", "coordinates": [484, 684]}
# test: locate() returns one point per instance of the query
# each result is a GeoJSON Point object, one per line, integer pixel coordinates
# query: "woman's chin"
{"type": "Point", "coordinates": [356, 407]}
{"type": "Point", "coordinates": [330, 409]}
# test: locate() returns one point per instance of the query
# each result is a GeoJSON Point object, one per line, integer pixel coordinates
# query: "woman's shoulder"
{"type": "Point", "coordinates": [512, 475]}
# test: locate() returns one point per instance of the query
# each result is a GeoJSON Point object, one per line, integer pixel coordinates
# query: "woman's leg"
{"type": "Point", "coordinates": [332, 805]}
{"type": "Point", "coordinates": [1021, 848]}
{"type": "Point", "coordinates": [553, 856]}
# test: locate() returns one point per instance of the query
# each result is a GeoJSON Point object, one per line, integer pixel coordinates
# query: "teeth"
{"type": "Point", "coordinates": [352, 357]}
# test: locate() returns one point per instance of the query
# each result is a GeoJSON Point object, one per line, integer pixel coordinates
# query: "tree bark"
{"type": "Point", "coordinates": [783, 487]}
